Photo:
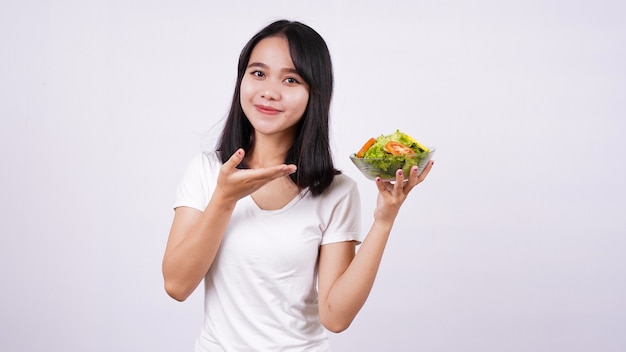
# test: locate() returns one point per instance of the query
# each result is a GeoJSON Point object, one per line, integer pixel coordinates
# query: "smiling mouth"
{"type": "Point", "coordinates": [266, 109]}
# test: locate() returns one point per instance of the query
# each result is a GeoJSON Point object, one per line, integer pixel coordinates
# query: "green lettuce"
{"type": "Point", "coordinates": [388, 163]}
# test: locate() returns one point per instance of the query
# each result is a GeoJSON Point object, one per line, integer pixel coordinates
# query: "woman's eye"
{"type": "Point", "coordinates": [291, 80]}
{"type": "Point", "coordinates": [257, 73]}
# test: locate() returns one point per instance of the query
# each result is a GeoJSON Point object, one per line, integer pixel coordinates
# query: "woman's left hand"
{"type": "Point", "coordinates": [392, 195]}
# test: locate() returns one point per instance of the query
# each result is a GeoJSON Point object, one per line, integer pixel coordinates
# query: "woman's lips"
{"type": "Point", "coordinates": [267, 109]}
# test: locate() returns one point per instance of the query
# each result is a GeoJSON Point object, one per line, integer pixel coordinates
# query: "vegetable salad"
{"type": "Point", "coordinates": [388, 153]}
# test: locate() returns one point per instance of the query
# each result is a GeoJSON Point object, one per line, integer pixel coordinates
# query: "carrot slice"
{"type": "Point", "coordinates": [370, 142]}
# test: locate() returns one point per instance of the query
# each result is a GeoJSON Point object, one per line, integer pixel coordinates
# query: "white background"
{"type": "Point", "coordinates": [514, 243]}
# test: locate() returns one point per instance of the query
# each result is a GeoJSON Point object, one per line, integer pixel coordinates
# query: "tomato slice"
{"type": "Point", "coordinates": [397, 148]}
{"type": "Point", "coordinates": [370, 142]}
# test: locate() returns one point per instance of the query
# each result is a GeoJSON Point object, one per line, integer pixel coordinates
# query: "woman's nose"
{"type": "Point", "coordinates": [270, 94]}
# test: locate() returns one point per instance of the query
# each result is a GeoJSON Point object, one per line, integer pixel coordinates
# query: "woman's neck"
{"type": "Point", "coordinates": [269, 150]}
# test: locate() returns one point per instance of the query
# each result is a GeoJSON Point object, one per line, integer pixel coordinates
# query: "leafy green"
{"type": "Point", "coordinates": [388, 163]}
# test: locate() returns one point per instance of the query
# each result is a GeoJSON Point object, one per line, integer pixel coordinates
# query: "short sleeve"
{"type": "Point", "coordinates": [345, 218]}
{"type": "Point", "coordinates": [194, 188]}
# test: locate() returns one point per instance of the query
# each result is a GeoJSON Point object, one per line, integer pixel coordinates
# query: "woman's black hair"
{"type": "Point", "coordinates": [310, 151]}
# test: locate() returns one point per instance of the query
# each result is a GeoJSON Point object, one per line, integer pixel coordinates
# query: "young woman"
{"type": "Point", "coordinates": [266, 220]}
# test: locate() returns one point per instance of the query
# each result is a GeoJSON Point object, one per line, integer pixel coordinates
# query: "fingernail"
{"type": "Point", "coordinates": [378, 179]}
{"type": "Point", "coordinates": [400, 172]}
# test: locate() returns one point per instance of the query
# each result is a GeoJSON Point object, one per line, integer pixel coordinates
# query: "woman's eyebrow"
{"type": "Point", "coordinates": [257, 64]}
{"type": "Point", "coordinates": [290, 70]}
{"type": "Point", "coordinates": [264, 66]}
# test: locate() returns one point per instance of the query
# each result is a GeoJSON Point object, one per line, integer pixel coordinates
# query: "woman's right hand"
{"type": "Point", "coordinates": [196, 236]}
{"type": "Point", "coordinates": [234, 184]}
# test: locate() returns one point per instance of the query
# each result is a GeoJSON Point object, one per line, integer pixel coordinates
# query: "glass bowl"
{"type": "Point", "coordinates": [386, 168]}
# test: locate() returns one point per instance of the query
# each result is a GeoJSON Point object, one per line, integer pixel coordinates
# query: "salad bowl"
{"type": "Point", "coordinates": [386, 167]}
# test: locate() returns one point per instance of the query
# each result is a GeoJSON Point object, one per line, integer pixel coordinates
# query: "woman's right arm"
{"type": "Point", "coordinates": [195, 236]}
{"type": "Point", "coordinates": [192, 245]}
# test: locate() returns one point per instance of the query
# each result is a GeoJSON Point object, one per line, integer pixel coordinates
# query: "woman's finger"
{"type": "Point", "coordinates": [270, 173]}
{"type": "Point", "coordinates": [425, 172]}
{"type": "Point", "coordinates": [235, 159]}
{"type": "Point", "coordinates": [413, 180]}
{"type": "Point", "coordinates": [397, 187]}
{"type": "Point", "coordinates": [380, 185]}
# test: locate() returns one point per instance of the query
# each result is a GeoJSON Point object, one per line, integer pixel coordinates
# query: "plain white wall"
{"type": "Point", "coordinates": [514, 243]}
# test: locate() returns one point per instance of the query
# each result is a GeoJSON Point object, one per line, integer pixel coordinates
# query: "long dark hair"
{"type": "Point", "coordinates": [311, 148]}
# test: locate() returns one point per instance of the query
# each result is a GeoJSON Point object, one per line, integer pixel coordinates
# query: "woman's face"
{"type": "Point", "coordinates": [273, 95]}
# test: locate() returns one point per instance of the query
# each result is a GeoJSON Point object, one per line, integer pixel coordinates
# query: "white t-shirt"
{"type": "Point", "coordinates": [260, 293]}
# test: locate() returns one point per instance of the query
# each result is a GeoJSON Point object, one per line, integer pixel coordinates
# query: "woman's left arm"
{"type": "Point", "coordinates": [345, 279]}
